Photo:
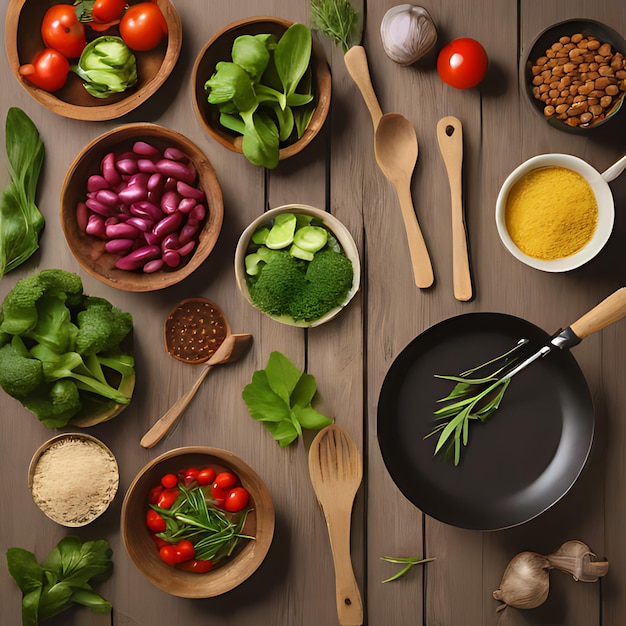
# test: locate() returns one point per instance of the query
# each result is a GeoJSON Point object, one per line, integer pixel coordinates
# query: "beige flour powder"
{"type": "Point", "coordinates": [74, 481]}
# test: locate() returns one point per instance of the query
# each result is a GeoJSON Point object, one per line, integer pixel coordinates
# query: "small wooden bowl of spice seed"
{"type": "Point", "coordinates": [73, 479]}
{"type": "Point", "coordinates": [555, 212]}
{"type": "Point", "coordinates": [575, 75]}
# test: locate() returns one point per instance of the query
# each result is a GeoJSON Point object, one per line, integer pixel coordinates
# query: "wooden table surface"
{"type": "Point", "coordinates": [350, 356]}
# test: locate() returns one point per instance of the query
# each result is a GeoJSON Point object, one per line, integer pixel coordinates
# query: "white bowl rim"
{"type": "Point", "coordinates": [604, 198]}
{"type": "Point", "coordinates": [339, 230]}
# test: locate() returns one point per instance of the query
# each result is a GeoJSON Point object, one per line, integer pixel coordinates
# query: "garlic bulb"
{"type": "Point", "coordinates": [407, 33]}
{"type": "Point", "coordinates": [525, 583]}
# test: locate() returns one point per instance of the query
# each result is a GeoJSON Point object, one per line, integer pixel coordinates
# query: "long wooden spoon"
{"type": "Point", "coordinates": [395, 146]}
{"type": "Point", "coordinates": [230, 350]}
{"type": "Point", "coordinates": [450, 137]}
{"type": "Point", "coordinates": [336, 471]}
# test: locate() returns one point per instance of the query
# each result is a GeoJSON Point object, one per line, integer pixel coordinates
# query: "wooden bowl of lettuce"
{"type": "Point", "coordinates": [259, 45]}
{"type": "Point", "coordinates": [297, 264]}
{"type": "Point", "coordinates": [24, 41]}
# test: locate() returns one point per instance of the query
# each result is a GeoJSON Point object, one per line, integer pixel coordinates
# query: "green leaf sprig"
{"type": "Point", "coordinates": [280, 397]}
{"type": "Point", "coordinates": [406, 561]}
{"type": "Point", "coordinates": [336, 19]}
{"type": "Point", "coordinates": [471, 399]}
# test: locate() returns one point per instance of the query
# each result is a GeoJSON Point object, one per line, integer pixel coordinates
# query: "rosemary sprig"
{"type": "Point", "coordinates": [407, 561]}
{"type": "Point", "coordinates": [471, 399]}
{"type": "Point", "coordinates": [336, 19]}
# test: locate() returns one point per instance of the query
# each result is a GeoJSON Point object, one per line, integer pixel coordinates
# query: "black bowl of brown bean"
{"type": "Point", "coordinates": [575, 75]}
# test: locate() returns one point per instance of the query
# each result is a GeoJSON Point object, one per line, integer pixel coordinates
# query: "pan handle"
{"type": "Point", "coordinates": [610, 310]}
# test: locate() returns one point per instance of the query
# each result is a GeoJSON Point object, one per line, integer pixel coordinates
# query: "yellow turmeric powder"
{"type": "Point", "coordinates": [551, 213]}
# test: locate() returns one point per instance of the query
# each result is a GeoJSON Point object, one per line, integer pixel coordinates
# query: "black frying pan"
{"type": "Point", "coordinates": [523, 459]}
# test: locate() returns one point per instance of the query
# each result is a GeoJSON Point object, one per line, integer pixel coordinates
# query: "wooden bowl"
{"type": "Point", "coordinates": [90, 251]}
{"type": "Point", "coordinates": [544, 41]}
{"type": "Point", "coordinates": [23, 40]}
{"type": "Point", "coordinates": [73, 479]}
{"type": "Point", "coordinates": [219, 48]}
{"type": "Point", "coordinates": [341, 233]}
{"type": "Point", "coordinates": [227, 575]}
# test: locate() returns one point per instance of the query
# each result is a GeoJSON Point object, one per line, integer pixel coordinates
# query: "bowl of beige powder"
{"type": "Point", "coordinates": [73, 479]}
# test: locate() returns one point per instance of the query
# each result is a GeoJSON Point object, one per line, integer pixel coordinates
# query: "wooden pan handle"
{"type": "Point", "coordinates": [356, 64]}
{"type": "Point", "coordinates": [610, 310]}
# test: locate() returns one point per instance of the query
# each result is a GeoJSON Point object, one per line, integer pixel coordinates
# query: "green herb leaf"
{"type": "Point", "coordinates": [263, 403]}
{"type": "Point", "coordinates": [282, 375]}
{"type": "Point", "coordinates": [292, 56]}
{"type": "Point", "coordinates": [335, 18]}
{"type": "Point", "coordinates": [408, 563]}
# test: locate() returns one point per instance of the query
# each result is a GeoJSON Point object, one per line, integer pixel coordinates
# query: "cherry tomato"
{"type": "Point", "coordinates": [462, 63]}
{"type": "Point", "coordinates": [190, 476]}
{"type": "Point", "coordinates": [48, 70]}
{"type": "Point", "coordinates": [167, 498]}
{"type": "Point", "coordinates": [196, 565]}
{"type": "Point", "coordinates": [154, 493]}
{"type": "Point", "coordinates": [155, 522]}
{"type": "Point", "coordinates": [169, 481]}
{"type": "Point", "coordinates": [143, 26]}
{"type": "Point", "coordinates": [169, 554]}
{"type": "Point", "coordinates": [185, 550]}
{"type": "Point", "coordinates": [218, 494]}
{"type": "Point", "coordinates": [159, 542]}
{"type": "Point", "coordinates": [226, 480]}
{"type": "Point", "coordinates": [105, 11]}
{"type": "Point", "coordinates": [61, 30]}
{"type": "Point", "coordinates": [206, 476]}
{"type": "Point", "coordinates": [236, 500]}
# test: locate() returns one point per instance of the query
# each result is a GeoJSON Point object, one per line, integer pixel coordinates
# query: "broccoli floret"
{"type": "Point", "coordinates": [56, 404]}
{"type": "Point", "coordinates": [101, 326]}
{"type": "Point", "coordinates": [20, 374]}
{"type": "Point", "coordinates": [278, 283]}
{"type": "Point", "coordinates": [328, 277]}
{"type": "Point", "coordinates": [19, 309]}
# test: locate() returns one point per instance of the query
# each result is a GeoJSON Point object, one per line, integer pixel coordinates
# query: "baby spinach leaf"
{"type": "Point", "coordinates": [264, 404]}
{"type": "Point", "coordinates": [282, 375]}
{"type": "Point", "coordinates": [260, 139]}
{"type": "Point", "coordinates": [231, 82]}
{"type": "Point", "coordinates": [252, 54]}
{"type": "Point", "coordinates": [292, 56]}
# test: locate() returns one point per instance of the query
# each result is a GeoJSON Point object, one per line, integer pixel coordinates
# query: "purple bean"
{"type": "Point", "coordinates": [138, 258]}
{"type": "Point", "coordinates": [187, 248]}
{"type": "Point", "coordinates": [170, 184]}
{"type": "Point", "coordinates": [169, 202]}
{"type": "Point", "coordinates": [110, 174]}
{"type": "Point", "coordinates": [155, 182]}
{"type": "Point", "coordinates": [97, 182]}
{"type": "Point", "coordinates": [126, 166]}
{"type": "Point", "coordinates": [95, 226]}
{"type": "Point", "coordinates": [174, 154]}
{"type": "Point", "coordinates": [146, 209]}
{"type": "Point", "coordinates": [140, 178]}
{"type": "Point", "coordinates": [112, 220]}
{"type": "Point", "coordinates": [107, 197]}
{"type": "Point", "coordinates": [169, 224]}
{"type": "Point", "coordinates": [82, 216]}
{"type": "Point", "coordinates": [99, 208]}
{"type": "Point", "coordinates": [174, 169]}
{"type": "Point", "coordinates": [171, 258]}
{"type": "Point", "coordinates": [145, 149]}
{"type": "Point", "coordinates": [187, 233]}
{"type": "Point", "coordinates": [141, 223]}
{"type": "Point", "coordinates": [146, 165]}
{"type": "Point", "coordinates": [186, 204]}
{"type": "Point", "coordinates": [151, 239]}
{"type": "Point", "coordinates": [187, 191]}
{"type": "Point", "coordinates": [123, 230]}
{"type": "Point", "coordinates": [153, 266]}
{"type": "Point", "coordinates": [119, 246]}
{"type": "Point", "coordinates": [170, 242]}
{"type": "Point", "coordinates": [132, 193]}
{"type": "Point", "coordinates": [198, 213]}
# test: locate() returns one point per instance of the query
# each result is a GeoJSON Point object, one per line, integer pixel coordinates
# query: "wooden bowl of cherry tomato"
{"type": "Point", "coordinates": [43, 39]}
{"type": "Point", "coordinates": [207, 484]}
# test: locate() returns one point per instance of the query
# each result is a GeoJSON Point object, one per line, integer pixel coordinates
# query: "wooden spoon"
{"type": "Point", "coordinates": [450, 137]}
{"type": "Point", "coordinates": [230, 350]}
{"type": "Point", "coordinates": [395, 146]}
{"type": "Point", "coordinates": [336, 471]}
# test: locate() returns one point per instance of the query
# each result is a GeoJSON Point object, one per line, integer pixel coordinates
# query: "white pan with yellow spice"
{"type": "Point", "coordinates": [555, 212]}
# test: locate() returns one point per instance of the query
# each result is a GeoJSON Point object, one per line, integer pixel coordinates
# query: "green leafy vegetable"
{"type": "Point", "coordinates": [280, 396]}
{"type": "Point", "coordinates": [406, 561]}
{"type": "Point", "coordinates": [20, 219]}
{"type": "Point", "coordinates": [472, 399]}
{"type": "Point", "coordinates": [335, 18]}
{"type": "Point", "coordinates": [64, 578]}
{"type": "Point", "coordinates": [107, 66]}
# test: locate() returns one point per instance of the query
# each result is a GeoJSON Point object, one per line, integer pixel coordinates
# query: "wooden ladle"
{"type": "Point", "coordinates": [395, 147]}
{"type": "Point", "coordinates": [336, 471]}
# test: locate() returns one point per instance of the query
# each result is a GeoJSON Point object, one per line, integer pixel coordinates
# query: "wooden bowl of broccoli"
{"type": "Point", "coordinates": [297, 264]}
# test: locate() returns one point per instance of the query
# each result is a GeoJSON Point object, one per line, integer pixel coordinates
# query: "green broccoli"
{"type": "Point", "coordinates": [55, 404]}
{"type": "Point", "coordinates": [101, 326]}
{"type": "Point", "coordinates": [20, 374]}
{"type": "Point", "coordinates": [278, 283]}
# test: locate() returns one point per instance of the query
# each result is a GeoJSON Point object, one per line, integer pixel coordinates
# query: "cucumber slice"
{"type": "Point", "coordinates": [253, 263]}
{"type": "Point", "coordinates": [264, 253]}
{"type": "Point", "coordinates": [299, 253]}
{"type": "Point", "coordinates": [310, 238]}
{"type": "Point", "coordinates": [260, 235]}
{"type": "Point", "coordinates": [281, 233]}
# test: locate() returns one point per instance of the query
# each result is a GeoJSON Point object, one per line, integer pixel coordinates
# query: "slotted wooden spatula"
{"type": "Point", "coordinates": [336, 471]}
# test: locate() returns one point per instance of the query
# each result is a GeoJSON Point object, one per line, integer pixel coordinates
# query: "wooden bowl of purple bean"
{"type": "Point", "coordinates": [141, 207]}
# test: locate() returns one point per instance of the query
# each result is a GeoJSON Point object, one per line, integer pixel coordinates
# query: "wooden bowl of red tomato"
{"type": "Point", "coordinates": [232, 529]}
{"type": "Point", "coordinates": [44, 40]}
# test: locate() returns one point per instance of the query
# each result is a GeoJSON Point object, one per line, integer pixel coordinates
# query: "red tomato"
{"type": "Point", "coordinates": [159, 542]}
{"type": "Point", "coordinates": [48, 70]}
{"type": "Point", "coordinates": [155, 492]}
{"type": "Point", "coordinates": [61, 30]}
{"type": "Point", "coordinates": [155, 522]}
{"type": "Point", "coordinates": [190, 475]}
{"type": "Point", "coordinates": [105, 11]}
{"type": "Point", "coordinates": [236, 500]}
{"type": "Point", "coordinates": [167, 498]}
{"type": "Point", "coordinates": [185, 551]}
{"type": "Point", "coordinates": [169, 481]}
{"type": "Point", "coordinates": [226, 480]}
{"type": "Point", "coordinates": [143, 26]}
{"type": "Point", "coordinates": [206, 476]}
{"type": "Point", "coordinates": [462, 63]}
{"type": "Point", "coordinates": [168, 554]}
{"type": "Point", "coordinates": [218, 494]}
{"type": "Point", "coordinates": [195, 565]}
